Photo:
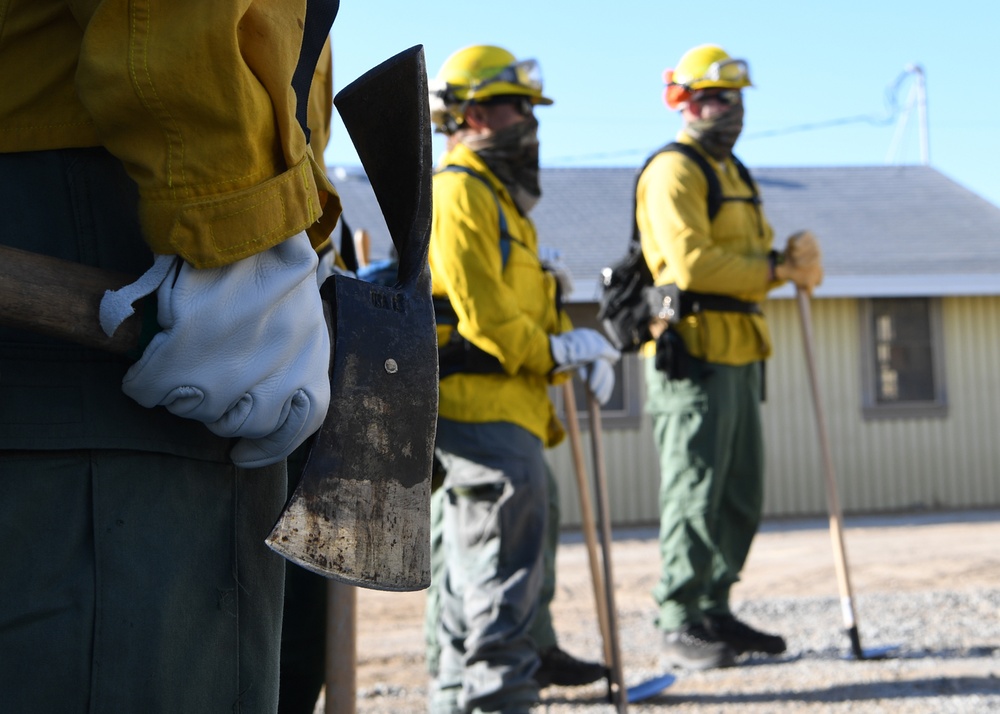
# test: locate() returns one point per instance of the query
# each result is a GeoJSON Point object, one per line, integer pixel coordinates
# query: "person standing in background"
{"type": "Point", "coordinates": [503, 339]}
{"type": "Point", "coordinates": [703, 373]}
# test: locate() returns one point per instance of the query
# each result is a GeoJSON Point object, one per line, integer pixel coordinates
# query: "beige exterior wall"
{"type": "Point", "coordinates": [880, 465]}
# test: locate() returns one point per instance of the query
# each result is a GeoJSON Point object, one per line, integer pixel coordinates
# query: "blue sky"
{"type": "Point", "coordinates": [811, 63]}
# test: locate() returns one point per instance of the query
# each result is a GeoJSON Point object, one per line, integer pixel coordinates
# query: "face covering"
{"type": "Point", "coordinates": [512, 154]}
{"type": "Point", "coordinates": [718, 135]}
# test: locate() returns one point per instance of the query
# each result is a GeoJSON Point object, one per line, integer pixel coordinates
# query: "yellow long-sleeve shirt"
{"type": "Point", "coordinates": [724, 256]}
{"type": "Point", "coordinates": [508, 311]}
{"type": "Point", "coordinates": [193, 97]}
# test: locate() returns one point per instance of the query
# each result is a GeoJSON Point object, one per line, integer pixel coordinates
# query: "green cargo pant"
{"type": "Point", "coordinates": [707, 429]}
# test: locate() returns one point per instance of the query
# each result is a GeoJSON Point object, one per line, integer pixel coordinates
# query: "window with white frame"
{"type": "Point", "coordinates": [903, 352]}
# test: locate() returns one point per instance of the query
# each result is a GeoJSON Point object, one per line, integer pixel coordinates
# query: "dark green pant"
{"type": "Point", "coordinates": [303, 623]}
{"type": "Point", "coordinates": [708, 433]}
{"type": "Point", "coordinates": [137, 582]}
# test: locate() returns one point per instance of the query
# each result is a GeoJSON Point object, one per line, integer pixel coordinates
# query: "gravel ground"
{"type": "Point", "coordinates": [948, 661]}
{"type": "Point", "coordinates": [927, 585]}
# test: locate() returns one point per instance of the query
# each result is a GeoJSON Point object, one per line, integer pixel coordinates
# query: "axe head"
{"type": "Point", "coordinates": [361, 511]}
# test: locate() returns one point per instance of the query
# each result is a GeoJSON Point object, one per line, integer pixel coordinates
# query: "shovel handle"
{"type": "Point", "coordinates": [62, 299]}
{"type": "Point", "coordinates": [619, 695]}
{"type": "Point", "coordinates": [830, 479]}
{"type": "Point", "coordinates": [587, 515]}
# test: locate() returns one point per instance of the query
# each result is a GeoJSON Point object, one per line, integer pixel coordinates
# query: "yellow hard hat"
{"type": "Point", "coordinates": [477, 74]}
{"type": "Point", "coordinates": [704, 67]}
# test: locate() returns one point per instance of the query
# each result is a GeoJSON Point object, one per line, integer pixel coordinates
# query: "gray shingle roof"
{"type": "Point", "coordinates": [884, 230]}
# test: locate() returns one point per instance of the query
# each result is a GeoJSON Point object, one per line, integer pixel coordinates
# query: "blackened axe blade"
{"type": "Point", "coordinates": [361, 512]}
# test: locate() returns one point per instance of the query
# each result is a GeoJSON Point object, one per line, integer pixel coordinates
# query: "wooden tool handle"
{"type": "Point", "coordinates": [618, 694]}
{"type": "Point", "coordinates": [830, 479]}
{"type": "Point", "coordinates": [587, 516]}
{"type": "Point", "coordinates": [61, 299]}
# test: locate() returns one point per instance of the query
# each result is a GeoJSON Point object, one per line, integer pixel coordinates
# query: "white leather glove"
{"type": "Point", "coordinates": [581, 346]}
{"type": "Point", "coordinates": [590, 352]}
{"type": "Point", "coordinates": [600, 377]}
{"type": "Point", "coordinates": [244, 349]}
{"type": "Point", "coordinates": [552, 262]}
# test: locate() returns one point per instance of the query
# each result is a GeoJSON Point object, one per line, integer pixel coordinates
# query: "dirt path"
{"type": "Point", "coordinates": [791, 563]}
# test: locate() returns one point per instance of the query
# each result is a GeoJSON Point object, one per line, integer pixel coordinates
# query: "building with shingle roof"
{"type": "Point", "coordinates": [906, 326]}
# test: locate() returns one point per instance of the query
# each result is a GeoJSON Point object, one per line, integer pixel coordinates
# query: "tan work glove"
{"type": "Point", "coordinates": [802, 262]}
{"type": "Point", "coordinates": [803, 250]}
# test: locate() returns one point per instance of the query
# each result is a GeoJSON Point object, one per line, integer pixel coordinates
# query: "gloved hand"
{"type": "Point", "coordinates": [600, 377]}
{"type": "Point", "coordinates": [591, 352]}
{"type": "Point", "coordinates": [803, 249]}
{"type": "Point", "coordinates": [552, 262]}
{"type": "Point", "coordinates": [581, 346]}
{"type": "Point", "coordinates": [802, 262]}
{"type": "Point", "coordinates": [244, 349]}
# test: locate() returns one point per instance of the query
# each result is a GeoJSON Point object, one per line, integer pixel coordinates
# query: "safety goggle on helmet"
{"type": "Point", "coordinates": [479, 74]}
{"type": "Point", "coordinates": [704, 67]}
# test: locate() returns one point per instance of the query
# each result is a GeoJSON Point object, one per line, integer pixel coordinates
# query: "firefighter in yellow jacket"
{"type": "Point", "coordinates": [503, 341]}
{"type": "Point", "coordinates": [710, 253]}
{"type": "Point", "coordinates": [137, 496]}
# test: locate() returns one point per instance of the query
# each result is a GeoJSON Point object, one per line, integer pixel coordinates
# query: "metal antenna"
{"type": "Point", "coordinates": [917, 98]}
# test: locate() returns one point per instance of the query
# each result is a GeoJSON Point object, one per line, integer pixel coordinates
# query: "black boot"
{"type": "Point", "coordinates": [743, 638]}
{"type": "Point", "coordinates": [694, 647]}
{"type": "Point", "coordinates": [563, 669]}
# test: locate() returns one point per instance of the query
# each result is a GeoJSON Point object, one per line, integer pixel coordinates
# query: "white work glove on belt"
{"type": "Point", "coordinates": [589, 351]}
{"type": "Point", "coordinates": [244, 348]}
{"type": "Point", "coordinates": [552, 262]}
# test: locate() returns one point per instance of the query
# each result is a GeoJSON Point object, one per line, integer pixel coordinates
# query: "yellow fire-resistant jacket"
{"type": "Point", "coordinates": [727, 256]}
{"type": "Point", "coordinates": [508, 312]}
{"type": "Point", "coordinates": [193, 96]}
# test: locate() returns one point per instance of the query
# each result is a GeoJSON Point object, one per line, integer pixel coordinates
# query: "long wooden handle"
{"type": "Point", "coordinates": [619, 695]}
{"type": "Point", "coordinates": [363, 247]}
{"type": "Point", "coordinates": [341, 648]}
{"type": "Point", "coordinates": [587, 517]}
{"type": "Point", "coordinates": [830, 479]}
{"type": "Point", "coordinates": [61, 299]}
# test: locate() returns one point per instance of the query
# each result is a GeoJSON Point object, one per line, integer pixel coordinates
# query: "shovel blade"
{"type": "Point", "coordinates": [873, 653]}
{"type": "Point", "coordinates": [649, 688]}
